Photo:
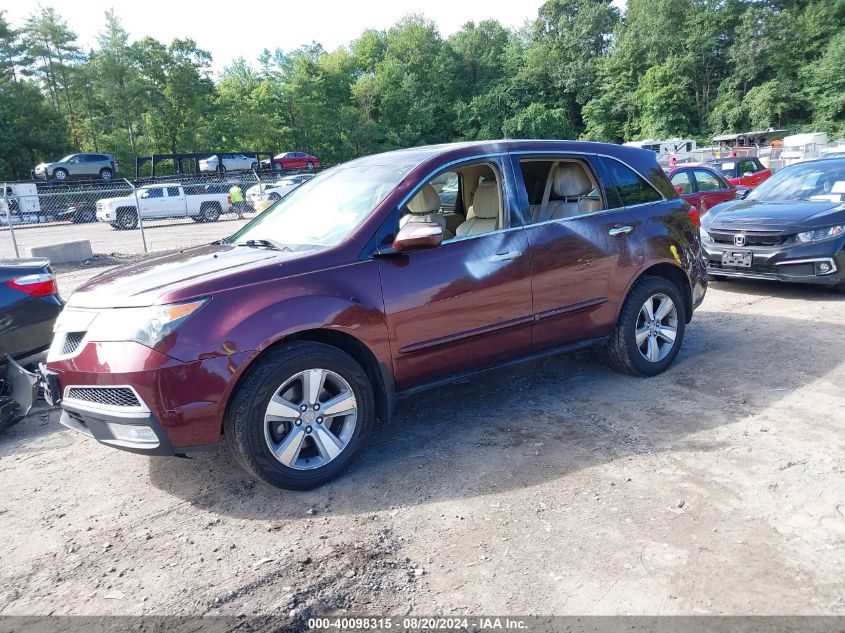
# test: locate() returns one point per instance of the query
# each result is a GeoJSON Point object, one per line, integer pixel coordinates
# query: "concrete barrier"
{"type": "Point", "coordinates": [68, 252]}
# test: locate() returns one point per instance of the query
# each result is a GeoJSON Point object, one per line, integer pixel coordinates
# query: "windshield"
{"type": "Point", "coordinates": [66, 158]}
{"type": "Point", "coordinates": [818, 181]}
{"type": "Point", "coordinates": [327, 208]}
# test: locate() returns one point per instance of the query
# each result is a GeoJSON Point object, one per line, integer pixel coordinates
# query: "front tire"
{"type": "Point", "coordinates": [650, 330]}
{"type": "Point", "coordinates": [60, 174]}
{"type": "Point", "coordinates": [299, 415]}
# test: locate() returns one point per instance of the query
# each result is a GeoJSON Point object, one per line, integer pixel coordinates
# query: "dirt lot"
{"type": "Point", "coordinates": [556, 487]}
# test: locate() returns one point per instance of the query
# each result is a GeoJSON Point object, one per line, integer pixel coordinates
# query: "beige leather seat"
{"type": "Point", "coordinates": [484, 211]}
{"type": "Point", "coordinates": [425, 207]}
{"type": "Point", "coordinates": [571, 182]}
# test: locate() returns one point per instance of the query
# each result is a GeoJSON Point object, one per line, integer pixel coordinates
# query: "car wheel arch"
{"type": "Point", "coordinates": [379, 374]}
{"type": "Point", "coordinates": [671, 272]}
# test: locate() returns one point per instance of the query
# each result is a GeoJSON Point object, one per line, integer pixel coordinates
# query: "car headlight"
{"type": "Point", "coordinates": [705, 236]}
{"type": "Point", "coordinates": [148, 326]}
{"type": "Point", "coordinates": [821, 234]}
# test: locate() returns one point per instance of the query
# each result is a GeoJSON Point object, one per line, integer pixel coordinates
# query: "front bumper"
{"type": "Point", "coordinates": [177, 407]}
{"type": "Point", "coordinates": [795, 264]}
{"type": "Point", "coordinates": [105, 215]}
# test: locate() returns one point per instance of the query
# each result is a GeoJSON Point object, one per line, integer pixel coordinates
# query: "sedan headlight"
{"type": "Point", "coordinates": [148, 326]}
{"type": "Point", "coordinates": [818, 235]}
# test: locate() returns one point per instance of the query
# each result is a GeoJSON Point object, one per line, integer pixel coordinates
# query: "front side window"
{"type": "Point", "coordinates": [156, 192]}
{"type": "Point", "coordinates": [327, 209]}
{"type": "Point", "coordinates": [682, 182]}
{"type": "Point", "coordinates": [632, 188]}
{"type": "Point", "coordinates": [464, 201]}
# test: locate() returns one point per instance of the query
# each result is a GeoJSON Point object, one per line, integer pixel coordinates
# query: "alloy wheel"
{"type": "Point", "coordinates": [310, 419]}
{"type": "Point", "coordinates": [657, 327]}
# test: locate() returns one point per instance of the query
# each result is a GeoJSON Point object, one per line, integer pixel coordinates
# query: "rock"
{"type": "Point", "coordinates": [304, 560]}
{"type": "Point", "coordinates": [262, 561]}
{"type": "Point", "coordinates": [419, 571]}
{"type": "Point", "coordinates": [680, 503]}
{"type": "Point", "coordinates": [114, 595]}
{"type": "Point", "coordinates": [311, 511]}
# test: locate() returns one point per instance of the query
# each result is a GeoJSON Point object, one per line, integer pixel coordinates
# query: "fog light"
{"type": "Point", "coordinates": [134, 433]}
{"type": "Point", "coordinates": [822, 268]}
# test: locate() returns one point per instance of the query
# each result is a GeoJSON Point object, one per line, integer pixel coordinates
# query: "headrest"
{"type": "Point", "coordinates": [426, 201]}
{"type": "Point", "coordinates": [572, 181]}
{"type": "Point", "coordinates": [486, 201]}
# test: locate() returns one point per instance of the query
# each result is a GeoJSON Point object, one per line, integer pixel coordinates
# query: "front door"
{"type": "Point", "coordinates": [463, 304]}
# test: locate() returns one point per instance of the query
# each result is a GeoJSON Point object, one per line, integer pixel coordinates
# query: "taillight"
{"type": "Point", "coordinates": [693, 215]}
{"type": "Point", "coordinates": [39, 285]}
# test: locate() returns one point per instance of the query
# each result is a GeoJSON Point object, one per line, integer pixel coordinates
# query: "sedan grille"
{"type": "Point", "coordinates": [111, 396]}
{"type": "Point", "coordinates": [72, 341]}
{"type": "Point", "coordinates": [751, 238]}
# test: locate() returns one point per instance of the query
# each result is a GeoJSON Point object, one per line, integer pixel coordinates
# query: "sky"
{"type": "Point", "coordinates": [244, 29]}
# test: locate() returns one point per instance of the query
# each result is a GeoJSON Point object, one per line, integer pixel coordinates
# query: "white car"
{"type": "Point", "coordinates": [273, 192]}
{"type": "Point", "coordinates": [202, 203]}
{"type": "Point", "coordinates": [231, 162]}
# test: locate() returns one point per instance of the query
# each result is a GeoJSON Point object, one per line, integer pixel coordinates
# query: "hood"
{"type": "Point", "coordinates": [775, 216]}
{"type": "Point", "coordinates": [142, 283]}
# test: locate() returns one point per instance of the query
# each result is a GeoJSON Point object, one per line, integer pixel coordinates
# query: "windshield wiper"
{"type": "Point", "coordinates": [264, 243]}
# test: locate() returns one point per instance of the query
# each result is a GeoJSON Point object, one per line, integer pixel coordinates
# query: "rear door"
{"type": "Point", "coordinates": [712, 189]}
{"type": "Point", "coordinates": [175, 206]}
{"type": "Point", "coordinates": [578, 262]}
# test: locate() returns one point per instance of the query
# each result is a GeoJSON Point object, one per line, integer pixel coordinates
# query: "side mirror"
{"type": "Point", "coordinates": [418, 235]}
{"type": "Point", "coordinates": [742, 193]}
{"type": "Point", "coordinates": [679, 189]}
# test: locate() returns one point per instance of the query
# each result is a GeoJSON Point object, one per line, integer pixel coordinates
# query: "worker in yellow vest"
{"type": "Point", "coordinates": [237, 197]}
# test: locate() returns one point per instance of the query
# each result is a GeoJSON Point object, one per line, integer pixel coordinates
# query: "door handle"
{"type": "Point", "coordinates": [619, 230]}
{"type": "Point", "coordinates": [503, 257]}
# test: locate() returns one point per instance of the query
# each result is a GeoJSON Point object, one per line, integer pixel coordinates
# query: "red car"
{"type": "Point", "coordinates": [703, 187]}
{"type": "Point", "coordinates": [290, 338]}
{"type": "Point", "coordinates": [294, 160]}
{"type": "Point", "coordinates": [746, 172]}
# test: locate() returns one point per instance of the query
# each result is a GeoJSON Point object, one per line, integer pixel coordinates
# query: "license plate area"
{"type": "Point", "coordinates": [736, 258]}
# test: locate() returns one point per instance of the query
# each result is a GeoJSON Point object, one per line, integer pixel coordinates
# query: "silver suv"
{"type": "Point", "coordinates": [102, 166]}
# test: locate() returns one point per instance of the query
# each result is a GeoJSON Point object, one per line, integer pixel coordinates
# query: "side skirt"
{"type": "Point", "coordinates": [552, 351]}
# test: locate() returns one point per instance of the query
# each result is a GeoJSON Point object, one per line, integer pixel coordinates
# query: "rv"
{"type": "Point", "coordinates": [801, 147]}
{"type": "Point", "coordinates": [680, 148]}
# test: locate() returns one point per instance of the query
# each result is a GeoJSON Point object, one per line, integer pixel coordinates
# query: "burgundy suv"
{"type": "Point", "coordinates": [292, 336]}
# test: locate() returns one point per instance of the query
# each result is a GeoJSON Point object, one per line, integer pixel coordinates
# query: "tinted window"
{"type": "Point", "coordinates": [633, 189]}
{"type": "Point", "coordinates": [173, 191]}
{"type": "Point", "coordinates": [154, 193]}
{"type": "Point", "coordinates": [708, 181]}
{"type": "Point", "coordinates": [682, 179]}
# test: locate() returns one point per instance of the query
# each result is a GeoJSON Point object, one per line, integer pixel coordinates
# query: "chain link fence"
{"type": "Point", "coordinates": [123, 218]}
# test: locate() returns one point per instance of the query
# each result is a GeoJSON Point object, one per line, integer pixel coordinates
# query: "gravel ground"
{"type": "Point", "coordinates": [558, 487]}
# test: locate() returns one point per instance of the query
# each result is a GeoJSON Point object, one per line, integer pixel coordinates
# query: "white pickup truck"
{"type": "Point", "coordinates": [201, 203]}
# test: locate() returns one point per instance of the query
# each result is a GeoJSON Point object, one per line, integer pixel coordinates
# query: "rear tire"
{"type": "Point", "coordinates": [309, 166]}
{"type": "Point", "coordinates": [254, 166]}
{"type": "Point", "coordinates": [209, 212]}
{"type": "Point", "coordinates": [640, 345]}
{"type": "Point", "coordinates": [106, 175]}
{"type": "Point", "coordinates": [127, 219]}
{"type": "Point", "coordinates": [85, 216]}
{"type": "Point", "coordinates": [840, 288]}
{"type": "Point", "coordinates": [252, 432]}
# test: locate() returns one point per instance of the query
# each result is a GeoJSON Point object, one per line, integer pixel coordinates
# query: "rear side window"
{"type": "Point", "coordinates": [632, 188]}
{"type": "Point", "coordinates": [682, 182]}
{"type": "Point", "coordinates": [708, 181]}
{"type": "Point", "coordinates": [172, 192]}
